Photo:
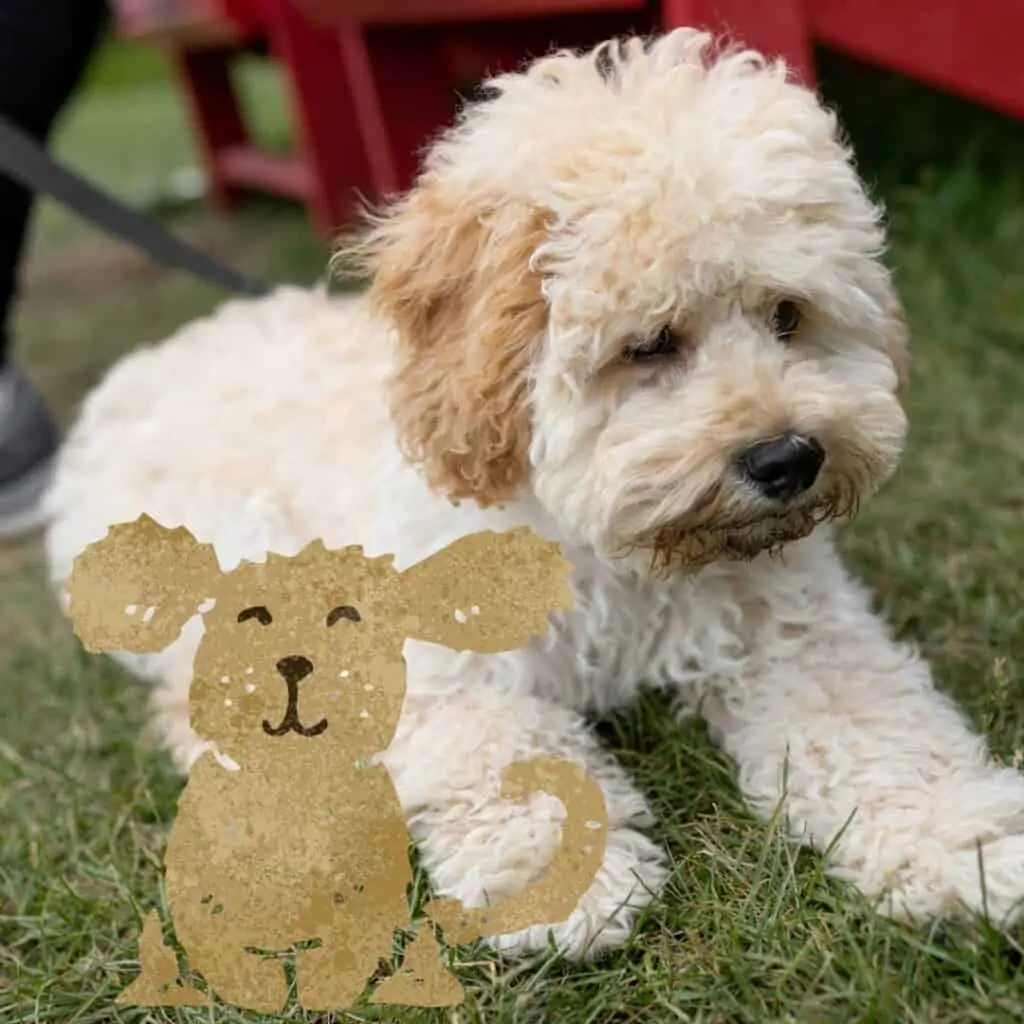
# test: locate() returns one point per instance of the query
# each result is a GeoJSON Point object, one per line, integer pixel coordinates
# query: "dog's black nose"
{"type": "Point", "coordinates": [783, 467]}
{"type": "Point", "coordinates": [294, 668]}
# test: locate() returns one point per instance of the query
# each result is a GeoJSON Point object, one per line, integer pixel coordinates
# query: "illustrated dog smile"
{"type": "Point", "coordinates": [293, 670]}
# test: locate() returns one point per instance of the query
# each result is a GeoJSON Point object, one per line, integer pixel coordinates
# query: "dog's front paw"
{"type": "Point", "coordinates": [985, 878]}
{"type": "Point", "coordinates": [961, 855]}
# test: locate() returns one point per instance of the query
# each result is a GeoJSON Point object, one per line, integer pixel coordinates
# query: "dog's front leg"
{"type": "Point", "coordinates": [480, 848]}
{"type": "Point", "coordinates": [843, 727]}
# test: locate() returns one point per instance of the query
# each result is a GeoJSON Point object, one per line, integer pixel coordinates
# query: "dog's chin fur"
{"type": "Point", "coordinates": [483, 382]}
{"type": "Point", "coordinates": [678, 547]}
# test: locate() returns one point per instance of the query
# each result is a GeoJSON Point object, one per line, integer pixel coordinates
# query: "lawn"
{"type": "Point", "coordinates": [747, 931]}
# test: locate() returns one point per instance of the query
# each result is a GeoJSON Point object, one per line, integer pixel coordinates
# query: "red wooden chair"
{"type": "Point", "coordinates": [402, 89]}
{"type": "Point", "coordinates": [371, 80]}
{"type": "Point", "coordinates": [962, 46]}
{"type": "Point", "coordinates": [203, 38]}
{"type": "Point", "coordinates": [404, 56]}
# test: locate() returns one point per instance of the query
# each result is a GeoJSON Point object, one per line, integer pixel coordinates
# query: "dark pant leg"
{"type": "Point", "coordinates": [45, 46]}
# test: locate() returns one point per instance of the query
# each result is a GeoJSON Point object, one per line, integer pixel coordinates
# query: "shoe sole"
{"type": "Point", "coordinates": [22, 502]}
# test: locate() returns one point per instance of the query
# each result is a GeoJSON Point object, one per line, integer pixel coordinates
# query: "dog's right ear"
{"type": "Point", "coordinates": [136, 588]}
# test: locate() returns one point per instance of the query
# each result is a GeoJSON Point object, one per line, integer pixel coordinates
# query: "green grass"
{"type": "Point", "coordinates": [747, 931]}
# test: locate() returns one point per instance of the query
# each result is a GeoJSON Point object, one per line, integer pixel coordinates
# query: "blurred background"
{"type": "Point", "coordinates": [332, 96]}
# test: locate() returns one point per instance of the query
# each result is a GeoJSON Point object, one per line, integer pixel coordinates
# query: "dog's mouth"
{"type": "Point", "coordinates": [290, 722]}
{"type": "Point", "coordinates": [691, 544]}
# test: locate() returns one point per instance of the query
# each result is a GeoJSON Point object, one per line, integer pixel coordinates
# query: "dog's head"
{"type": "Point", "coordinates": [645, 283]}
{"type": "Point", "coordinates": [308, 649]}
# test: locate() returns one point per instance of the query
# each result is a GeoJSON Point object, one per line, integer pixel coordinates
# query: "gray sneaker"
{"type": "Point", "coordinates": [28, 450]}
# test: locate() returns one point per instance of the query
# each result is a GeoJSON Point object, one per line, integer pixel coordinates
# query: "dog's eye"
{"type": "Point", "coordinates": [343, 611]}
{"type": "Point", "coordinates": [257, 612]}
{"type": "Point", "coordinates": [785, 320]}
{"type": "Point", "coordinates": [665, 343]}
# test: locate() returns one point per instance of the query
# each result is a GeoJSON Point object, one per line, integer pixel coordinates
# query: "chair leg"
{"type": "Point", "coordinates": [776, 29]}
{"type": "Point", "coordinates": [330, 135]}
{"type": "Point", "coordinates": [215, 112]}
{"type": "Point", "coordinates": [402, 94]}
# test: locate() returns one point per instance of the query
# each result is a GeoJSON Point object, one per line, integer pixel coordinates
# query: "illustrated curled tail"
{"type": "Point", "coordinates": [553, 898]}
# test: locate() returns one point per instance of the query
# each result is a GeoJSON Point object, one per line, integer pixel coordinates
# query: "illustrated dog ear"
{"type": "Point", "coordinates": [487, 592]}
{"type": "Point", "coordinates": [136, 588]}
{"type": "Point", "coordinates": [450, 270]}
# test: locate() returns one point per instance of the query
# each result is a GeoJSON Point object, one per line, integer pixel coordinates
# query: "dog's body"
{"type": "Point", "coordinates": [574, 324]}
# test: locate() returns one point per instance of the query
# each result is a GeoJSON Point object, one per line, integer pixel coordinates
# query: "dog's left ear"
{"type": "Point", "coordinates": [450, 271]}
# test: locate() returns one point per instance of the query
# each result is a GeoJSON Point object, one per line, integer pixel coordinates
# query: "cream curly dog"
{"type": "Point", "coordinates": [635, 301]}
{"type": "Point", "coordinates": [300, 681]}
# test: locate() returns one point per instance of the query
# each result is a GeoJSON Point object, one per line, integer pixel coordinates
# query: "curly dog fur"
{"type": "Point", "coordinates": [613, 277]}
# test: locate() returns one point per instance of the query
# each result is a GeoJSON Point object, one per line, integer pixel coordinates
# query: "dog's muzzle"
{"type": "Point", "coordinates": [293, 670]}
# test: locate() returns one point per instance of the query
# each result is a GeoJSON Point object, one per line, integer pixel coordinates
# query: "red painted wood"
{"type": "Point", "coordinates": [374, 132]}
{"type": "Point", "coordinates": [199, 22]}
{"type": "Point", "coordinates": [404, 80]}
{"type": "Point", "coordinates": [404, 94]}
{"type": "Point", "coordinates": [327, 125]}
{"type": "Point", "coordinates": [964, 46]}
{"type": "Point", "coordinates": [371, 81]}
{"type": "Point", "coordinates": [488, 47]}
{"type": "Point", "coordinates": [419, 12]}
{"type": "Point", "coordinates": [203, 37]}
{"type": "Point", "coordinates": [249, 15]}
{"type": "Point", "coordinates": [776, 29]}
{"type": "Point", "coordinates": [279, 174]}
{"type": "Point", "coordinates": [205, 78]}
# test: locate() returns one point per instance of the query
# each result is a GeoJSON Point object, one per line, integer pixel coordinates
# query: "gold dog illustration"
{"type": "Point", "coordinates": [299, 680]}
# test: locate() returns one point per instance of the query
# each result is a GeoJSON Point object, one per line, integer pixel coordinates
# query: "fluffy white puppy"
{"type": "Point", "coordinates": [636, 302]}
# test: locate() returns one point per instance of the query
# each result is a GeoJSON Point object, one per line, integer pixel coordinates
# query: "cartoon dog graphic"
{"type": "Point", "coordinates": [291, 832]}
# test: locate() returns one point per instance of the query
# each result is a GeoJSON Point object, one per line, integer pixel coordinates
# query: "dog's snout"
{"type": "Point", "coordinates": [294, 668]}
{"type": "Point", "coordinates": [783, 467]}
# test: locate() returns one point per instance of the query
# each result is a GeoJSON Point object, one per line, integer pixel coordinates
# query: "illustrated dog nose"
{"type": "Point", "coordinates": [294, 668]}
{"type": "Point", "coordinates": [783, 467]}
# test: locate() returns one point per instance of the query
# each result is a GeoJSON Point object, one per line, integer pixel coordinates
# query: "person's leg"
{"type": "Point", "coordinates": [45, 46]}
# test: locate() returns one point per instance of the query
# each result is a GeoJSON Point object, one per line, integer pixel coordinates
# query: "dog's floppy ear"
{"type": "Point", "coordinates": [136, 588]}
{"type": "Point", "coordinates": [449, 265]}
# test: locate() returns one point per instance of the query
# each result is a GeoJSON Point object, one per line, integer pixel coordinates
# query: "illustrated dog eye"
{"type": "Point", "coordinates": [786, 319]}
{"type": "Point", "coordinates": [257, 612]}
{"type": "Point", "coordinates": [662, 345]}
{"type": "Point", "coordinates": [343, 611]}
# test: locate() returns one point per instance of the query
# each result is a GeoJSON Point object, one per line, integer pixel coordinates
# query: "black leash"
{"type": "Point", "coordinates": [28, 163]}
